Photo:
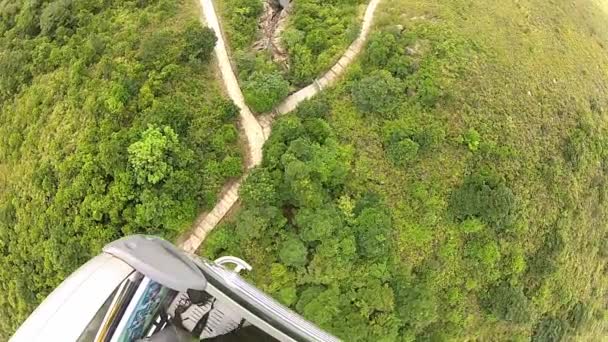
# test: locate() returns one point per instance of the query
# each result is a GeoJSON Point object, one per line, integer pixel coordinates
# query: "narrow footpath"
{"type": "Point", "coordinates": [258, 131]}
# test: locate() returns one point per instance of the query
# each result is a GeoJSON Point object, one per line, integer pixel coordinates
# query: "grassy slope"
{"type": "Point", "coordinates": [531, 78]}
{"type": "Point", "coordinates": [67, 186]}
{"type": "Point", "coordinates": [540, 71]}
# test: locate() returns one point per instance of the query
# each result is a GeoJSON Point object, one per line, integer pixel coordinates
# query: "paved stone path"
{"type": "Point", "coordinates": [257, 131]}
{"type": "Point", "coordinates": [251, 127]}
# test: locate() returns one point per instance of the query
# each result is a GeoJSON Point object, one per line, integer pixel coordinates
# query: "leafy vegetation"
{"type": "Point", "coordinates": [464, 199]}
{"type": "Point", "coordinates": [316, 34]}
{"type": "Point", "coordinates": [263, 91]}
{"type": "Point", "coordinates": [110, 124]}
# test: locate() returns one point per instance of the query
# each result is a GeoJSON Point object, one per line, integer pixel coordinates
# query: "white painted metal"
{"type": "Point", "coordinates": [67, 311]}
{"type": "Point", "coordinates": [240, 263]}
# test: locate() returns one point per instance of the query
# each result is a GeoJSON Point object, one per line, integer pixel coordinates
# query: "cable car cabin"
{"type": "Point", "coordinates": [143, 288]}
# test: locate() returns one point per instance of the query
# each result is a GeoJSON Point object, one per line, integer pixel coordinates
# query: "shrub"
{"type": "Point", "coordinates": [550, 329]}
{"type": "Point", "coordinates": [381, 47]}
{"type": "Point", "coordinates": [293, 252]}
{"type": "Point", "coordinates": [402, 152]}
{"type": "Point", "coordinates": [484, 197]}
{"type": "Point", "coordinates": [472, 139]}
{"type": "Point", "coordinates": [55, 15]}
{"type": "Point", "coordinates": [232, 166]}
{"type": "Point", "coordinates": [199, 42]}
{"type": "Point", "coordinates": [259, 188]}
{"type": "Point", "coordinates": [316, 107]}
{"type": "Point", "coordinates": [155, 49]}
{"type": "Point", "coordinates": [241, 21]}
{"type": "Point", "coordinates": [263, 91]}
{"type": "Point", "coordinates": [377, 93]}
{"type": "Point", "coordinates": [150, 157]}
{"type": "Point", "coordinates": [318, 224]}
{"type": "Point", "coordinates": [507, 303]}
{"type": "Point", "coordinates": [373, 227]}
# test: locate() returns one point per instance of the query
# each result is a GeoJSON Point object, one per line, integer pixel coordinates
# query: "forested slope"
{"type": "Point", "coordinates": [315, 35]}
{"type": "Point", "coordinates": [452, 187]}
{"type": "Point", "coordinates": [111, 123]}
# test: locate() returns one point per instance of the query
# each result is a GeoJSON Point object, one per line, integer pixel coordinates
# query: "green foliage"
{"type": "Point", "coordinates": [402, 152]}
{"type": "Point", "coordinates": [506, 243]}
{"type": "Point", "coordinates": [318, 224]}
{"type": "Point", "coordinates": [240, 21]}
{"type": "Point", "coordinates": [487, 198]}
{"type": "Point", "coordinates": [56, 15]}
{"type": "Point", "coordinates": [200, 42]}
{"type": "Point", "coordinates": [317, 33]}
{"type": "Point", "coordinates": [373, 227]}
{"type": "Point", "coordinates": [263, 91]}
{"type": "Point", "coordinates": [259, 188]}
{"type": "Point", "coordinates": [471, 138]}
{"type": "Point", "coordinates": [378, 92]}
{"type": "Point", "coordinates": [549, 329]}
{"type": "Point", "coordinates": [508, 303]}
{"type": "Point", "coordinates": [317, 107]}
{"type": "Point", "coordinates": [293, 252]}
{"type": "Point", "coordinates": [109, 126]}
{"type": "Point", "coordinates": [151, 156]}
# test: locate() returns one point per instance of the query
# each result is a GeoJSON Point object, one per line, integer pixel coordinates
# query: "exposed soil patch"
{"type": "Point", "coordinates": [272, 23]}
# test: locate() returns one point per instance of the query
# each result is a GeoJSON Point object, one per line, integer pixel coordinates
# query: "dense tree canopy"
{"type": "Point", "coordinates": [450, 188]}
{"type": "Point", "coordinates": [314, 37]}
{"type": "Point", "coordinates": [110, 124]}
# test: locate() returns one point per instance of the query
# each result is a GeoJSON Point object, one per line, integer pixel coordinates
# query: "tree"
{"type": "Point", "coordinates": [263, 91]}
{"type": "Point", "coordinates": [157, 49]}
{"type": "Point", "coordinates": [318, 224]}
{"type": "Point", "coordinates": [150, 157]}
{"type": "Point", "coordinates": [199, 42]}
{"type": "Point", "coordinates": [417, 306]}
{"type": "Point", "coordinates": [293, 252]}
{"type": "Point", "coordinates": [471, 138]}
{"type": "Point", "coordinates": [55, 15]}
{"type": "Point", "coordinates": [373, 227]}
{"type": "Point", "coordinates": [259, 189]}
{"type": "Point", "coordinates": [549, 329]}
{"type": "Point", "coordinates": [321, 304]}
{"type": "Point", "coordinates": [507, 303]}
{"type": "Point", "coordinates": [486, 197]}
{"type": "Point", "coordinates": [380, 49]}
{"type": "Point", "coordinates": [378, 93]}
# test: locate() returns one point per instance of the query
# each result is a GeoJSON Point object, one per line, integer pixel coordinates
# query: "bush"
{"type": "Point", "coordinates": [293, 252]}
{"type": "Point", "coordinates": [318, 224]}
{"type": "Point", "coordinates": [372, 228]}
{"type": "Point", "coordinates": [402, 152]}
{"type": "Point", "coordinates": [508, 303]}
{"type": "Point", "coordinates": [550, 329]}
{"type": "Point", "coordinates": [381, 47]}
{"type": "Point", "coordinates": [377, 93]}
{"type": "Point", "coordinates": [317, 107]}
{"type": "Point", "coordinates": [55, 15]}
{"type": "Point", "coordinates": [150, 157]}
{"type": "Point", "coordinates": [241, 21]}
{"type": "Point", "coordinates": [232, 166]}
{"type": "Point", "coordinates": [263, 91]}
{"type": "Point", "coordinates": [471, 138]}
{"type": "Point", "coordinates": [199, 42]}
{"type": "Point", "coordinates": [259, 188]}
{"type": "Point", "coordinates": [484, 197]}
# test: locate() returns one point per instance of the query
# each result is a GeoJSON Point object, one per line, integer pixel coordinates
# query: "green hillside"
{"type": "Point", "coordinates": [451, 187]}
{"type": "Point", "coordinates": [315, 34]}
{"type": "Point", "coordinates": [111, 123]}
